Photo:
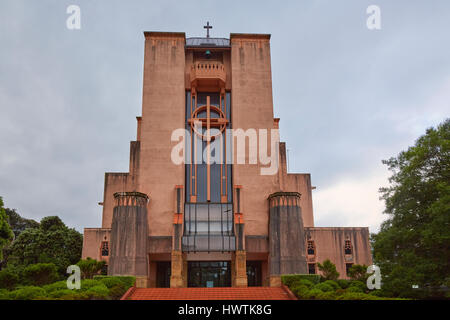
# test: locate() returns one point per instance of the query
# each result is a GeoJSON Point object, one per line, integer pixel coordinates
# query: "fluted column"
{"type": "Point", "coordinates": [286, 235]}
{"type": "Point", "coordinates": [129, 235]}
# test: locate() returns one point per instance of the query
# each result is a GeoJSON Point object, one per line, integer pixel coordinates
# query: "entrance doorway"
{"type": "Point", "coordinates": [163, 274]}
{"type": "Point", "coordinates": [254, 273]}
{"type": "Point", "coordinates": [209, 274]}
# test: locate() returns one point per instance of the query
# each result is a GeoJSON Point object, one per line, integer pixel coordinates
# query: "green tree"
{"type": "Point", "coordinates": [328, 270]}
{"type": "Point", "coordinates": [358, 272]}
{"type": "Point", "coordinates": [52, 242]}
{"type": "Point", "coordinates": [40, 274]}
{"type": "Point", "coordinates": [413, 245]}
{"type": "Point", "coordinates": [8, 279]}
{"type": "Point", "coordinates": [90, 267]}
{"type": "Point", "coordinates": [19, 224]}
{"type": "Point", "coordinates": [6, 234]}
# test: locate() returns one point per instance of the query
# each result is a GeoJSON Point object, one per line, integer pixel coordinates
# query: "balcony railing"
{"type": "Point", "coordinates": [208, 70]}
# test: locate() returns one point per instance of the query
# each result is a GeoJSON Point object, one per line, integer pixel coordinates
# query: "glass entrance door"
{"type": "Point", "coordinates": [209, 274]}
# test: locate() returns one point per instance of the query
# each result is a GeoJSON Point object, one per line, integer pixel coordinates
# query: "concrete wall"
{"type": "Point", "coordinates": [92, 240]}
{"type": "Point", "coordinates": [252, 108]}
{"type": "Point", "coordinates": [330, 244]}
{"type": "Point", "coordinates": [163, 104]}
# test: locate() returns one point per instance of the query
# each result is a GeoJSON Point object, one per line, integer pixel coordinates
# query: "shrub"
{"type": "Point", "coordinates": [353, 296]}
{"type": "Point", "coordinates": [305, 283]}
{"type": "Point", "coordinates": [324, 287]}
{"type": "Point", "coordinates": [117, 291]}
{"type": "Point", "coordinates": [60, 293]}
{"type": "Point", "coordinates": [40, 274]}
{"type": "Point", "coordinates": [89, 283]}
{"type": "Point", "coordinates": [344, 284]}
{"type": "Point", "coordinates": [128, 281]}
{"type": "Point", "coordinates": [358, 272]}
{"type": "Point", "coordinates": [8, 279]}
{"type": "Point", "coordinates": [300, 291]}
{"type": "Point", "coordinates": [55, 286]}
{"type": "Point", "coordinates": [4, 294]}
{"type": "Point", "coordinates": [333, 284]}
{"type": "Point", "coordinates": [110, 282]}
{"type": "Point", "coordinates": [314, 293]}
{"type": "Point", "coordinates": [98, 292]}
{"type": "Point", "coordinates": [75, 295]}
{"type": "Point", "coordinates": [340, 292]}
{"type": "Point", "coordinates": [330, 295]}
{"type": "Point", "coordinates": [28, 293]}
{"type": "Point", "coordinates": [328, 269]}
{"type": "Point", "coordinates": [90, 267]}
{"type": "Point", "coordinates": [288, 279]}
{"type": "Point", "coordinates": [361, 286]}
{"type": "Point", "coordinates": [377, 293]}
{"type": "Point", "coordinates": [355, 289]}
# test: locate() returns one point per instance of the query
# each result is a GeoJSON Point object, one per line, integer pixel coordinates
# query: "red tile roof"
{"type": "Point", "coordinates": [250, 293]}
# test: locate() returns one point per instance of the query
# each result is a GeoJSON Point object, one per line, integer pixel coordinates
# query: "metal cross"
{"type": "Point", "coordinates": [207, 27]}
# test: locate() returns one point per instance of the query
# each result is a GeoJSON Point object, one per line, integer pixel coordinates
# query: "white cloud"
{"type": "Point", "coordinates": [351, 202]}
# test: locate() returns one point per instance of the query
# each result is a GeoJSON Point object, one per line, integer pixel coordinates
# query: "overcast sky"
{"type": "Point", "coordinates": [347, 96]}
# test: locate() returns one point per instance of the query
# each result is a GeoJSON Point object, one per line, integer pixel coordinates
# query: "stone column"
{"type": "Point", "coordinates": [177, 268]}
{"type": "Point", "coordinates": [240, 271]}
{"type": "Point", "coordinates": [177, 257]}
{"type": "Point", "coordinates": [129, 234]}
{"type": "Point", "coordinates": [286, 236]}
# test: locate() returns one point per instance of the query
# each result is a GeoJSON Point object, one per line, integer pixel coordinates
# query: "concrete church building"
{"type": "Point", "coordinates": [204, 224]}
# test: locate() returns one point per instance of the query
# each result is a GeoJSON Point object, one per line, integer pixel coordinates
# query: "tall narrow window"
{"type": "Point", "coordinates": [311, 247]}
{"type": "Point", "coordinates": [105, 249]}
{"type": "Point", "coordinates": [311, 268]}
{"type": "Point", "coordinates": [348, 247]}
{"type": "Point", "coordinates": [347, 267]}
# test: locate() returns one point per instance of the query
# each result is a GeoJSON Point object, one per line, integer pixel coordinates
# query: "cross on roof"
{"type": "Point", "coordinates": [207, 27]}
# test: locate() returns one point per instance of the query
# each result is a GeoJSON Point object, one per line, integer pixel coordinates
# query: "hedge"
{"type": "Point", "coordinates": [127, 281]}
{"type": "Point", "coordinates": [288, 279]}
{"type": "Point", "coordinates": [102, 288]}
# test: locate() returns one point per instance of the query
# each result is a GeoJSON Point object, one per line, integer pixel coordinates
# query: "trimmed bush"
{"type": "Point", "coordinates": [324, 287]}
{"type": "Point", "coordinates": [128, 281]}
{"type": "Point", "coordinates": [8, 279]}
{"type": "Point", "coordinates": [300, 291]}
{"type": "Point", "coordinates": [117, 291]}
{"type": "Point", "coordinates": [330, 295]}
{"type": "Point", "coordinates": [355, 289]}
{"type": "Point", "coordinates": [357, 286]}
{"type": "Point", "coordinates": [353, 296]}
{"type": "Point", "coordinates": [56, 294]}
{"type": "Point", "coordinates": [89, 283]}
{"type": "Point", "coordinates": [304, 282]}
{"type": "Point", "coordinates": [340, 292]}
{"type": "Point", "coordinates": [333, 284]}
{"type": "Point", "coordinates": [4, 294]}
{"type": "Point", "coordinates": [288, 279]}
{"type": "Point", "coordinates": [55, 286]}
{"type": "Point", "coordinates": [75, 295]}
{"type": "Point", "coordinates": [40, 274]}
{"type": "Point", "coordinates": [28, 293]}
{"type": "Point", "coordinates": [110, 281]}
{"type": "Point", "coordinates": [377, 293]}
{"type": "Point", "coordinates": [344, 284]}
{"type": "Point", "coordinates": [98, 292]}
{"type": "Point", "coordinates": [314, 293]}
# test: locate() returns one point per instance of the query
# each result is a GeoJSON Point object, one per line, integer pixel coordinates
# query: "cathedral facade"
{"type": "Point", "coordinates": [207, 200]}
